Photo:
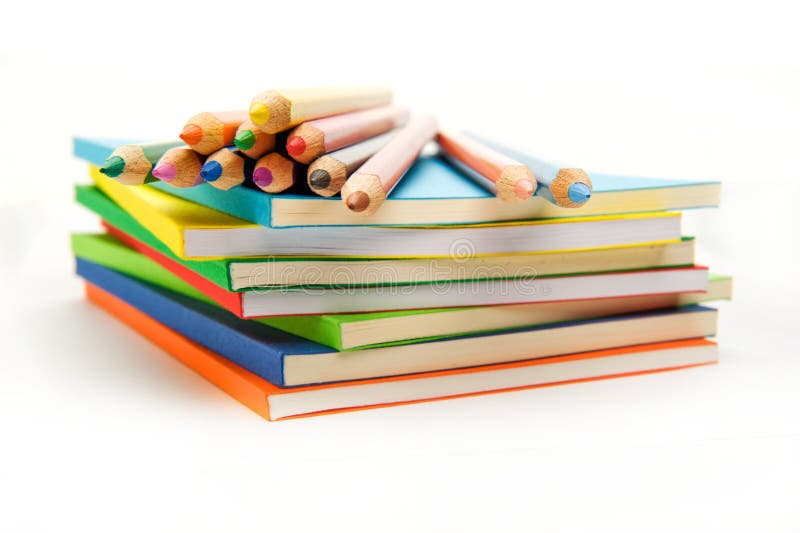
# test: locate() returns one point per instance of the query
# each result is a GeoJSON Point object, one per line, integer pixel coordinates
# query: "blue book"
{"type": "Point", "coordinates": [432, 193]}
{"type": "Point", "coordinates": [286, 360]}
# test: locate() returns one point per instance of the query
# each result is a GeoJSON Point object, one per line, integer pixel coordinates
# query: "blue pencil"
{"type": "Point", "coordinates": [227, 168]}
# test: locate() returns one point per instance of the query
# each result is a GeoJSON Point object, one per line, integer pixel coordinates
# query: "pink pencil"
{"type": "Point", "coordinates": [367, 189]}
{"type": "Point", "coordinates": [314, 138]}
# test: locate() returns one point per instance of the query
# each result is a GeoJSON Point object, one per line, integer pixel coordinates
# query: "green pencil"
{"type": "Point", "coordinates": [131, 164]}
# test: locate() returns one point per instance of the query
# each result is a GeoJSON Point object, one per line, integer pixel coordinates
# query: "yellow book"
{"type": "Point", "coordinates": [192, 231]}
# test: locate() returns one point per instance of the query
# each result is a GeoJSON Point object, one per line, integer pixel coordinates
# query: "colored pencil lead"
{"type": "Point", "coordinates": [579, 192]}
{"type": "Point", "coordinates": [211, 171]}
{"type": "Point", "coordinates": [164, 171]}
{"type": "Point", "coordinates": [357, 201]}
{"type": "Point", "coordinates": [319, 179]}
{"type": "Point", "coordinates": [191, 134]}
{"type": "Point", "coordinates": [295, 146]}
{"type": "Point", "coordinates": [113, 166]}
{"type": "Point", "coordinates": [259, 113]}
{"type": "Point", "coordinates": [244, 140]}
{"type": "Point", "coordinates": [262, 177]}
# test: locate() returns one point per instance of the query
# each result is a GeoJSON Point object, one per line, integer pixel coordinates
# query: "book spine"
{"type": "Point", "coordinates": [212, 329]}
{"type": "Point", "coordinates": [241, 202]}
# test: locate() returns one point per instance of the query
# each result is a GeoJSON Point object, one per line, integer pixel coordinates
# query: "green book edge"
{"type": "Point", "coordinates": [324, 329]}
{"type": "Point", "coordinates": [218, 270]}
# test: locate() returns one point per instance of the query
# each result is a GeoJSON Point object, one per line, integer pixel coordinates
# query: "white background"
{"type": "Point", "coordinates": [103, 432]}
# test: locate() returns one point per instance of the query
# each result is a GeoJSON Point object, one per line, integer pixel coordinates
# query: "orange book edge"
{"type": "Point", "coordinates": [254, 392]}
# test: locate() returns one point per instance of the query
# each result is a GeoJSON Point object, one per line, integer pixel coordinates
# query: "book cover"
{"type": "Point", "coordinates": [433, 192]}
{"type": "Point", "coordinates": [265, 399]}
{"type": "Point", "coordinates": [193, 231]}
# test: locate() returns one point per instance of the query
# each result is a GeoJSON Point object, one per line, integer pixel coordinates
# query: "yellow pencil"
{"type": "Point", "coordinates": [367, 189]}
{"type": "Point", "coordinates": [278, 110]}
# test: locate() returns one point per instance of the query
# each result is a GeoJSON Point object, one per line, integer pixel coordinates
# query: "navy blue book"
{"type": "Point", "coordinates": [433, 192]}
{"type": "Point", "coordinates": [286, 360]}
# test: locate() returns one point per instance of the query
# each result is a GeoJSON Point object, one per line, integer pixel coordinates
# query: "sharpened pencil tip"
{"type": "Point", "coordinates": [113, 166]}
{"type": "Point", "coordinates": [262, 177]}
{"type": "Point", "coordinates": [523, 189]}
{"type": "Point", "coordinates": [164, 171]}
{"type": "Point", "coordinates": [191, 134]}
{"type": "Point", "coordinates": [244, 139]}
{"type": "Point", "coordinates": [319, 179]}
{"type": "Point", "coordinates": [357, 202]}
{"type": "Point", "coordinates": [295, 146]}
{"type": "Point", "coordinates": [579, 192]}
{"type": "Point", "coordinates": [259, 113]}
{"type": "Point", "coordinates": [211, 171]}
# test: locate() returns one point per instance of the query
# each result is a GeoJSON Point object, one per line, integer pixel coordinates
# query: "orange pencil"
{"type": "Point", "coordinates": [274, 173]}
{"type": "Point", "coordinates": [314, 138]}
{"type": "Point", "coordinates": [252, 141]}
{"type": "Point", "coordinates": [367, 189]}
{"type": "Point", "coordinates": [208, 132]}
{"type": "Point", "coordinates": [180, 167]}
{"type": "Point", "coordinates": [509, 179]}
{"type": "Point", "coordinates": [279, 110]}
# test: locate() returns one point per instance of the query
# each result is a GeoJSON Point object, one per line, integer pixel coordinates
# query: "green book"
{"type": "Point", "coordinates": [362, 330]}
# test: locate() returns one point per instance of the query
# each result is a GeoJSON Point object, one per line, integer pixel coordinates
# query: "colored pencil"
{"type": "Point", "coordinates": [369, 186]}
{"type": "Point", "coordinates": [278, 110]}
{"type": "Point", "coordinates": [275, 173]}
{"type": "Point", "coordinates": [311, 139]}
{"type": "Point", "coordinates": [180, 167]}
{"type": "Point", "coordinates": [509, 179]}
{"type": "Point", "coordinates": [252, 141]}
{"type": "Point", "coordinates": [208, 132]}
{"type": "Point", "coordinates": [327, 175]}
{"type": "Point", "coordinates": [131, 164]}
{"type": "Point", "coordinates": [562, 186]}
{"type": "Point", "coordinates": [227, 168]}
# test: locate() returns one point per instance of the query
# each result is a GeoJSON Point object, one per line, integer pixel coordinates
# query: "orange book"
{"type": "Point", "coordinates": [275, 403]}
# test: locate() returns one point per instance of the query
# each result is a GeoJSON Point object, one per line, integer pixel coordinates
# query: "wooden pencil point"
{"type": "Point", "coordinates": [563, 184]}
{"type": "Point", "coordinates": [274, 173]}
{"type": "Point", "coordinates": [270, 112]}
{"type": "Point", "coordinates": [357, 201]}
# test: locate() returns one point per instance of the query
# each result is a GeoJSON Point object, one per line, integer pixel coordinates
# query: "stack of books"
{"type": "Point", "coordinates": [295, 305]}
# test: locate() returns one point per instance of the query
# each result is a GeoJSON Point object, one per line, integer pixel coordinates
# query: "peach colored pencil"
{"type": "Point", "coordinates": [369, 186]}
{"type": "Point", "coordinates": [509, 179]}
{"type": "Point", "coordinates": [208, 132]}
{"type": "Point", "coordinates": [278, 110]}
{"type": "Point", "coordinates": [311, 139]}
{"type": "Point", "coordinates": [180, 167]}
